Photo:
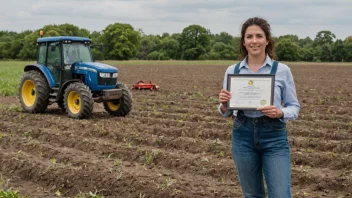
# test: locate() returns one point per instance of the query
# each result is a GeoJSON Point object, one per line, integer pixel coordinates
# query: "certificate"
{"type": "Point", "coordinates": [250, 91]}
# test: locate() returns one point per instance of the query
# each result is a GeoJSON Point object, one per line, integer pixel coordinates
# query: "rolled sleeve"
{"type": "Point", "coordinates": [227, 114]}
{"type": "Point", "coordinates": [229, 70]}
{"type": "Point", "coordinates": [291, 105]}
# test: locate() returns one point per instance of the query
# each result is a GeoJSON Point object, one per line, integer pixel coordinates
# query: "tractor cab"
{"type": "Point", "coordinates": [60, 53]}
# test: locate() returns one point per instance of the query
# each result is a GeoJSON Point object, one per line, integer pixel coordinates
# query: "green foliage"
{"type": "Point", "coordinates": [195, 41]}
{"type": "Point", "coordinates": [305, 43]}
{"type": "Point", "coordinates": [149, 44]}
{"type": "Point", "coordinates": [156, 56]}
{"type": "Point", "coordinates": [324, 37]}
{"type": "Point", "coordinates": [338, 51]}
{"type": "Point", "coordinates": [326, 55]}
{"type": "Point", "coordinates": [293, 38]}
{"type": "Point", "coordinates": [223, 37]}
{"type": "Point", "coordinates": [98, 49]}
{"type": "Point", "coordinates": [9, 193]}
{"type": "Point", "coordinates": [6, 192]}
{"type": "Point", "coordinates": [222, 51]}
{"type": "Point", "coordinates": [121, 41]}
{"type": "Point", "coordinates": [287, 50]}
{"type": "Point", "coordinates": [306, 54]}
{"type": "Point", "coordinates": [169, 48]}
{"type": "Point", "coordinates": [348, 48]}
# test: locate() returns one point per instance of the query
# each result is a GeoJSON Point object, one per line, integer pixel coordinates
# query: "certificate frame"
{"type": "Point", "coordinates": [250, 91]}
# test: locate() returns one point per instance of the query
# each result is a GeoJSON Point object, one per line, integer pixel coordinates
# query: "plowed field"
{"type": "Point", "coordinates": [174, 143]}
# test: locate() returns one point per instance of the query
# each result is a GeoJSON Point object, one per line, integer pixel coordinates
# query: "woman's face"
{"type": "Point", "coordinates": [255, 41]}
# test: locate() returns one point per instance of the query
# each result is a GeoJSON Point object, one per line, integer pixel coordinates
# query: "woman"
{"type": "Point", "coordinates": [259, 138]}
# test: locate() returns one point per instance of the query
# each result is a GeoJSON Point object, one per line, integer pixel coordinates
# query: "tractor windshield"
{"type": "Point", "coordinates": [76, 51]}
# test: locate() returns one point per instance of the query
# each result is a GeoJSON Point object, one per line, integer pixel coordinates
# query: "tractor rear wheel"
{"type": "Point", "coordinates": [78, 101]}
{"type": "Point", "coordinates": [121, 106]}
{"type": "Point", "coordinates": [34, 92]}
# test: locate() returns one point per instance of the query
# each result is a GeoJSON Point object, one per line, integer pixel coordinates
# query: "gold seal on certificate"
{"type": "Point", "coordinates": [250, 92]}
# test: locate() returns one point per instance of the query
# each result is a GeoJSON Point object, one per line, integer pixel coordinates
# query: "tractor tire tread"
{"type": "Point", "coordinates": [86, 98]}
{"type": "Point", "coordinates": [125, 102]}
{"type": "Point", "coordinates": [42, 91]}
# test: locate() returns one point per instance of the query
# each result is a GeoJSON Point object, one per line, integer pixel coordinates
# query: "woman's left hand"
{"type": "Point", "coordinates": [272, 111]}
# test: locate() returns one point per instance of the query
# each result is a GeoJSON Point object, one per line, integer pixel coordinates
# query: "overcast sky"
{"type": "Point", "coordinates": [299, 17]}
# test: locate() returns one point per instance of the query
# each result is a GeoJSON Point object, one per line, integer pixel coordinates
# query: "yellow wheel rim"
{"type": "Point", "coordinates": [112, 106]}
{"type": "Point", "coordinates": [74, 102]}
{"type": "Point", "coordinates": [28, 93]}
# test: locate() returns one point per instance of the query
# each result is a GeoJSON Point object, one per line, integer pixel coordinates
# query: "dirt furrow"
{"type": "Point", "coordinates": [81, 164]}
{"type": "Point", "coordinates": [324, 145]}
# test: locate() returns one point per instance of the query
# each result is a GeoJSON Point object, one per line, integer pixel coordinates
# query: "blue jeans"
{"type": "Point", "coordinates": [260, 147]}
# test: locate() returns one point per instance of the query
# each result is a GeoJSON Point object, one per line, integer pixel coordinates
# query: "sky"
{"type": "Point", "coordinates": [297, 17]}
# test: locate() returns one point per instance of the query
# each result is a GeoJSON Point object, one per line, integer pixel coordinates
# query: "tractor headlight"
{"type": "Point", "coordinates": [105, 75]}
{"type": "Point", "coordinates": [114, 75]}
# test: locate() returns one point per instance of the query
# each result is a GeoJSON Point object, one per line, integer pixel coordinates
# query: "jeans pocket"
{"type": "Point", "coordinates": [238, 123]}
{"type": "Point", "coordinates": [276, 125]}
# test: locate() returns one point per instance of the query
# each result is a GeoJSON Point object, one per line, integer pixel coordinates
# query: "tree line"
{"type": "Point", "coordinates": [120, 41]}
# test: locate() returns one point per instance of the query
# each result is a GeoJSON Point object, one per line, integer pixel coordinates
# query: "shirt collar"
{"type": "Point", "coordinates": [268, 62]}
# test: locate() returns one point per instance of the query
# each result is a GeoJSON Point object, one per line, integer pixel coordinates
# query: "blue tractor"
{"type": "Point", "coordinates": [66, 74]}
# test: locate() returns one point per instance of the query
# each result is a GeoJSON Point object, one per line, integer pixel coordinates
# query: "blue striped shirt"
{"type": "Point", "coordinates": [285, 96]}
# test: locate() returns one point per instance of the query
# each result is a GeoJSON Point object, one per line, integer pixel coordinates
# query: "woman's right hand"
{"type": "Point", "coordinates": [224, 97]}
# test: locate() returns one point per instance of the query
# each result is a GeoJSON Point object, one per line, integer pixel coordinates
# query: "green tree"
{"type": "Point", "coordinates": [223, 37]}
{"type": "Point", "coordinates": [195, 41]}
{"type": "Point", "coordinates": [121, 41]}
{"type": "Point", "coordinates": [306, 54]}
{"type": "Point", "coordinates": [293, 38]}
{"type": "Point", "coordinates": [324, 37]}
{"type": "Point", "coordinates": [338, 51]}
{"type": "Point", "coordinates": [165, 35]}
{"type": "Point", "coordinates": [287, 50]}
{"type": "Point", "coordinates": [317, 53]}
{"type": "Point", "coordinates": [169, 47]}
{"type": "Point", "coordinates": [348, 40]}
{"type": "Point", "coordinates": [326, 53]}
{"type": "Point", "coordinates": [221, 51]}
{"type": "Point", "coordinates": [348, 49]}
{"type": "Point", "coordinates": [306, 42]}
{"type": "Point", "coordinates": [149, 43]}
{"type": "Point", "coordinates": [98, 49]}
{"type": "Point", "coordinates": [29, 49]}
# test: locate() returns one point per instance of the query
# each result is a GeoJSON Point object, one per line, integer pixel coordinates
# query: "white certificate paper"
{"type": "Point", "coordinates": [250, 91]}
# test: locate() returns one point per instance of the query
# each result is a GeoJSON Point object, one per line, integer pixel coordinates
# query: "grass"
{"type": "Point", "coordinates": [10, 75]}
{"type": "Point", "coordinates": [6, 192]}
{"type": "Point", "coordinates": [10, 194]}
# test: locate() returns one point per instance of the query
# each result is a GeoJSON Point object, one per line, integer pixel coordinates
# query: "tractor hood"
{"type": "Point", "coordinates": [96, 67]}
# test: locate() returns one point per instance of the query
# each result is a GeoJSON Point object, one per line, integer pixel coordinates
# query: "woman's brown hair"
{"type": "Point", "coordinates": [265, 26]}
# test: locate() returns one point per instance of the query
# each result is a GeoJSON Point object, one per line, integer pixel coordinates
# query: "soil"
{"type": "Point", "coordinates": [174, 143]}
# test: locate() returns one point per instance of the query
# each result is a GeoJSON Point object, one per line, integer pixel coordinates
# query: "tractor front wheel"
{"type": "Point", "coordinates": [34, 92]}
{"type": "Point", "coordinates": [78, 101]}
{"type": "Point", "coordinates": [121, 106]}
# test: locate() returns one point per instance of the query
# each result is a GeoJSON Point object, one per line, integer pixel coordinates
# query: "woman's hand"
{"type": "Point", "coordinates": [224, 97]}
{"type": "Point", "coordinates": [272, 111]}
